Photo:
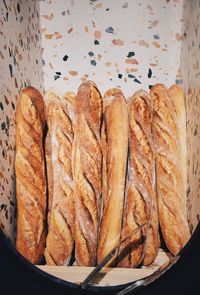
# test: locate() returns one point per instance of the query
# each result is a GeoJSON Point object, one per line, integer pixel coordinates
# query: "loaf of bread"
{"type": "Point", "coordinates": [170, 189]}
{"type": "Point", "coordinates": [87, 166]}
{"type": "Point", "coordinates": [177, 97]}
{"type": "Point", "coordinates": [115, 151]}
{"type": "Point", "coordinates": [30, 175]}
{"type": "Point", "coordinates": [140, 204]}
{"type": "Point", "coordinates": [60, 238]}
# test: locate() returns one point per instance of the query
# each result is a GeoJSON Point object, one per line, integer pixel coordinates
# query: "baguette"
{"type": "Point", "coordinates": [60, 238]}
{"type": "Point", "coordinates": [115, 149]}
{"type": "Point", "coordinates": [30, 175]}
{"type": "Point", "coordinates": [87, 165]}
{"type": "Point", "coordinates": [141, 204]}
{"type": "Point", "coordinates": [170, 192]}
{"type": "Point", "coordinates": [177, 97]}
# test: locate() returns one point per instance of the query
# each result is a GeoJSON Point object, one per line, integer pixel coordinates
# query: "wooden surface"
{"type": "Point", "coordinates": [108, 276]}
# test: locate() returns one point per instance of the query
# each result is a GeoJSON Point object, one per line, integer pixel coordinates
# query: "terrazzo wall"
{"type": "Point", "coordinates": [20, 65]}
{"type": "Point", "coordinates": [121, 43]}
{"type": "Point", "coordinates": [190, 70]}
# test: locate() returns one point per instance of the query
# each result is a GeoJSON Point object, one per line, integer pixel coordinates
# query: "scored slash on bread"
{"type": "Point", "coordinates": [170, 190]}
{"type": "Point", "coordinates": [30, 175]}
{"type": "Point", "coordinates": [140, 200]}
{"type": "Point", "coordinates": [58, 148]}
{"type": "Point", "coordinates": [115, 148]}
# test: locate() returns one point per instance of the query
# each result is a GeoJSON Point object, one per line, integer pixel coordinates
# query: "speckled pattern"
{"type": "Point", "coordinates": [190, 70]}
{"type": "Point", "coordinates": [127, 44]}
{"type": "Point", "coordinates": [121, 43]}
{"type": "Point", "coordinates": [20, 65]}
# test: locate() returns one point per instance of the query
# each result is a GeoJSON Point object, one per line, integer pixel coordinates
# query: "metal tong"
{"type": "Point", "coordinates": [108, 257]}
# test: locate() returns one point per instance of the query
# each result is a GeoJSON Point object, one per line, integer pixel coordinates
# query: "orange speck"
{"type": "Point", "coordinates": [132, 70]}
{"type": "Point", "coordinates": [108, 64]}
{"type": "Point", "coordinates": [154, 23]}
{"type": "Point", "coordinates": [73, 73]}
{"type": "Point", "coordinates": [153, 65]}
{"type": "Point", "coordinates": [178, 37]}
{"type": "Point", "coordinates": [65, 78]}
{"type": "Point", "coordinates": [143, 43]}
{"type": "Point", "coordinates": [86, 29]}
{"type": "Point", "coordinates": [98, 5]}
{"type": "Point", "coordinates": [48, 17]}
{"type": "Point", "coordinates": [58, 35]}
{"type": "Point", "coordinates": [49, 36]}
{"type": "Point", "coordinates": [118, 42]}
{"type": "Point", "coordinates": [132, 61]}
{"type": "Point", "coordinates": [149, 7]}
{"type": "Point", "coordinates": [70, 30]}
{"type": "Point", "coordinates": [51, 66]}
{"type": "Point", "coordinates": [43, 30]}
{"type": "Point", "coordinates": [156, 44]}
{"type": "Point", "coordinates": [97, 34]}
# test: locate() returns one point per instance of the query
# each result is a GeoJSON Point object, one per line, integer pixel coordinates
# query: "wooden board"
{"type": "Point", "coordinates": [108, 276]}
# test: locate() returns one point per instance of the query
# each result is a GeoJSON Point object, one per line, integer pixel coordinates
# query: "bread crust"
{"type": "Point", "coordinates": [115, 149]}
{"type": "Point", "coordinates": [170, 192]}
{"type": "Point", "coordinates": [141, 204]}
{"type": "Point", "coordinates": [60, 238]}
{"type": "Point", "coordinates": [87, 166]}
{"type": "Point", "coordinates": [30, 175]}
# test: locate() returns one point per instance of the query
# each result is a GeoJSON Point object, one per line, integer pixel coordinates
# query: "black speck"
{"type": "Point", "coordinates": [13, 106]}
{"type": "Point", "coordinates": [109, 30]}
{"type": "Point", "coordinates": [195, 131]}
{"type": "Point", "coordinates": [156, 37]}
{"type": "Point", "coordinates": [90, 53]}
{"type": "Point", "coordinates": [58, 73]}
{"type": "Point", "coordinates": [21, 18]}
{"type": "Point", "coordinates": [56, 77]}
{"type": "Point", "coordinates": [150, 86]}
{"type": "Point", "coordinates": [43, 62]}
{"type": "Point", "coordinates": [11, 70]}
{"type": "Point", "coordinates": [36, 61]}
{"type": "Point", "coordinates": [18, 7]}
{"type": "Point", "coordinates": [6, 214]}
{"type": "Point", "coordinates": [107, 9]}
{"type": "Point", "coordinates": [65, 57]}
{"type": "Point", "coordinates": [119, 76]}
{"type": "Point", "coordinates": [130, 54]}
{"type": "Point", "coordinates": [63, 12]}
{"type": "Point", "coordinates": [1, 106]}
{"type": "Point", "coordinates": [3, 125]}
{"type": "Point", "coordinates": [131, 76]}
{"type": "Point", "coordinates": [3, 153]}
{"type": "Point", "coordinates": [149, 73]}
{"type": "Point", "coordinates": [96, 42]}
{"type": "Point", "coordinates": [137, 81]}
{"type": "Point", "coordinates": [93, 62]}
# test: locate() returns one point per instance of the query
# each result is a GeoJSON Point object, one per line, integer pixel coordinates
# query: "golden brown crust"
{"type": "Point", "coordinates": [115, 149]}
{"type": "Point", "coordinates": [170, 193]}
{"type": "Point", "coordinates": [30, 175]}
{"type": "Point", "coordinates": [60, 238]}
{"type": "Point", "coordinates": [140, 195]}
{"type": "Point", "coordinates": [87, 165]}
{"type": "Point", "coordinates": [177, 97]}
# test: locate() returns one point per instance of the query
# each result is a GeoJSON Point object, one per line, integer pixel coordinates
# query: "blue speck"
{"type": "Point", "coordinates": [109, 30]}
{"type": "Point", "coordinates": [90, 53]}
{"type": "Point", "coordinates": [156, 37]}
{"type": "Point", "coordinates": [93, 62]}
{"type": "Point", "coordinates": [131, 76]}
{"type": "Point", "coordinates": [149, 73]}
